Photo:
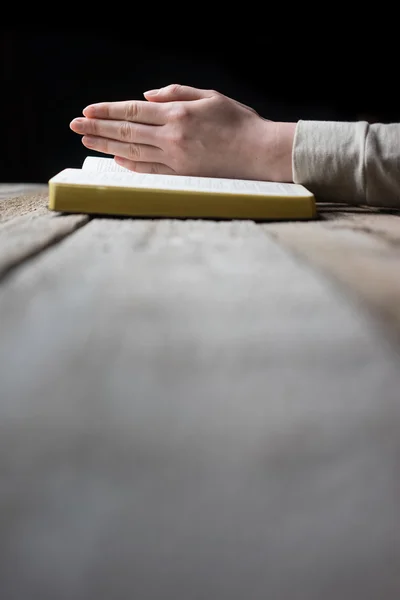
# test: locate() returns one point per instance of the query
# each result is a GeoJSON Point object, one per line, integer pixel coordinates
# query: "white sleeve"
{"type": "Point", "coordinates": [352, 163]}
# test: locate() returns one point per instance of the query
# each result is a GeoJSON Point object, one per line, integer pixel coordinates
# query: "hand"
{"type": "Point", "coordinates": [188, 131]}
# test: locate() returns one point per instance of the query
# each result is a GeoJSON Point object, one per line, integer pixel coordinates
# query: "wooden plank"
{"type": "Point", "coordinates": [384, 226]}
{"type": "Point", "coordinates": [188, 411]}
{"type": "Point", "coordinates": [27, 226]}
{"type": "Point", "coordinates": [25, 236]}
{"type": "Point", "coordinates": [366, 265]}
{"type": "Point", "coordinates": [13, 204]}
{"type": "Point", "coordinates": [15, 190]}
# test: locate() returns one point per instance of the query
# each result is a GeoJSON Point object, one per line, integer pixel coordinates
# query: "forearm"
{"type": "Point", "coordinates": [354, 163]}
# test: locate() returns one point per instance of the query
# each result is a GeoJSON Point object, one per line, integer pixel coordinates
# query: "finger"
{"type": "Point", "coordinates": [177, 92]}
{"type": "Point", "coordinates": [143, 167]}
{"type": "Point", "coordinates": [135, 152]}
{"type": "Point", "coordinates": [124, 131]}
{"type": "Point", "coordinates": [136, 111]}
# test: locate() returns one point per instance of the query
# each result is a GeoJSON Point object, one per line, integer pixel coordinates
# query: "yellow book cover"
{"type": "Point", "coordinates": [103, 187]}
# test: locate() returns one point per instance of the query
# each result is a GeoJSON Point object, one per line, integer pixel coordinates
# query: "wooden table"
{"type": "Point", "coordinates": [198, 410]}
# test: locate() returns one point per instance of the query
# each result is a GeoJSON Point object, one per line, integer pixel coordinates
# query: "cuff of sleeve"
{"type": "Point", "coordinates": [328, 159]}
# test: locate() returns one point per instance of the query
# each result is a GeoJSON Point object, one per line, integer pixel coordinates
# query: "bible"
{"type": "Point", "coordinates": [103, 187]}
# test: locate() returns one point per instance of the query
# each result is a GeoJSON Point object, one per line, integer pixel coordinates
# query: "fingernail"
{"type": "Point", "coordinates": [77, 122]}
{"type": "Point", "coordinates": [88, 141]}
{"type": "Point", "coordinates": [90, 111]}
{"type": "Point", "coordinates": [151, 93]}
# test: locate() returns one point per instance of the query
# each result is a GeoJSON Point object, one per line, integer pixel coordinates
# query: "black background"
{"type": "Point", "coordinates": [48, 77]}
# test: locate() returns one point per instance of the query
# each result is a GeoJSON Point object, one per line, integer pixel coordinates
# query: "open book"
{"type": "Point", "coordinates": [103, 187]}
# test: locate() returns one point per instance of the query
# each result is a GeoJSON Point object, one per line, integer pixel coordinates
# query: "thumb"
{"type": "Point", "coordinates": [175, 92]}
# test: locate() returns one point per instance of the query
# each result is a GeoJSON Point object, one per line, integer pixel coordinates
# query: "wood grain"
{"type": "Point", "coordinates": [14, 190]}
{"type": "Point", "coordinates": [361, 253]}
{"type": "Point", "coordinates": [27, 226]}
{"type": "Point", "coordinates": [21, 200]}
{"type": "Point", "coordinates": [25, 236]}
{"type": "Point", "coordinates": [190, 411]}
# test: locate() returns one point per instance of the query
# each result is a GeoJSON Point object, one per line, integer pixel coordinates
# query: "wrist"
{"type": "Point", "coordinates": [282, 154]}
{"type": "Point", "coordinates": [277, 151]}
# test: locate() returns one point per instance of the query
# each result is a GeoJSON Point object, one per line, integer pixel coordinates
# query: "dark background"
{"type": "Point", "coordinates": [48, 77]}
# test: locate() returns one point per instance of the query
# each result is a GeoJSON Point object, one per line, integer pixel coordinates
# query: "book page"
{"type": "Point", "coordinates": [100, 164]}
{"type": "Point", "coordinates": [179, 183]}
